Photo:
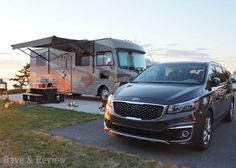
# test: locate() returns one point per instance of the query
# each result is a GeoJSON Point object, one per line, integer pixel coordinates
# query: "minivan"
{"type": "Point", "coordinates": [171, 103]}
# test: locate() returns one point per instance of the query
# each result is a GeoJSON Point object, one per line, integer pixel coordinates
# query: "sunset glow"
{"type": "Point", "coordinates": [169, 30]}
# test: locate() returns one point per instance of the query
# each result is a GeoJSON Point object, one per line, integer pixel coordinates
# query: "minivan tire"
{"type": "Point", "coordinates": [205, 133]}
{"type": "Point", "coordinates": [230, 116]}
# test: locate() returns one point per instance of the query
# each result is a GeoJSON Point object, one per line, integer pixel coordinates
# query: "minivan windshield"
{"type": "Point", "coordinates": [176, 73]}
{"type": "Point", "coordinates": [131, 60]}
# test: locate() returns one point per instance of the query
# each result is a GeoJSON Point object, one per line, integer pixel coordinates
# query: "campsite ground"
{"type": "Point", "coordinates": [88, 140]}
{"type": "Point", "coordinates": [25, 142]}
{"type": "Point", "coordinates": [88, 104]}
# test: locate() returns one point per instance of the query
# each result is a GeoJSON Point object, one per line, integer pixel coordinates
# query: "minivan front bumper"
{"type": "Point", "coordinates": [170, 129]}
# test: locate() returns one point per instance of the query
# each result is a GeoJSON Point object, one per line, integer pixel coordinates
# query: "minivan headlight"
{"type": "Point", "coordinates": [191, 105]}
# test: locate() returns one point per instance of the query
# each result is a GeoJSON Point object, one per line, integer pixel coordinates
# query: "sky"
{"type": "Point", "coordinates": [169, 30]}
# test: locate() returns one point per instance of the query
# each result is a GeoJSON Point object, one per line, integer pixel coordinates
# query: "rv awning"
{"type": "Point", "coordinates": [58, 43]}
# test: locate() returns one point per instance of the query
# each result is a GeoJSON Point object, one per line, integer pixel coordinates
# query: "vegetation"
{"type": "Point", "coordinates": [23, 134]}
{"type": "Point", "coordinates": [234, 72]}
{"type": "Point", "coordinates": [16, 91]}
{"type": "Point", "coordinates": [22, 78]}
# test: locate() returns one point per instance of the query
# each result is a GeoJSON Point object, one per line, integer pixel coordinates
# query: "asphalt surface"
{"type": "Point", "coordinates": [220, 154]}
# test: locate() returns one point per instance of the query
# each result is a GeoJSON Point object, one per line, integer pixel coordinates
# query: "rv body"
{"type": "Point", "coordinates": [114, 62]}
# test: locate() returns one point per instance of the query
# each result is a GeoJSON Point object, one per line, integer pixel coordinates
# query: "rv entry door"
{"type": "Point", "coordinates": [105, 70]}
{"type": "Point", "coordinates": [66, 81]}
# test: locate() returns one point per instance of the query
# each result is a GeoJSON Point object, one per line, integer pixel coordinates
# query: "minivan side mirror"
{"type": "Point", "coordinates": [233, 80]}
{"type": "Point", "coordinates": [215, 81]}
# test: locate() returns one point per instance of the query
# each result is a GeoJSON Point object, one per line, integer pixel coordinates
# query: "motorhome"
{"type": "Point", "coordinates": [91, 67]}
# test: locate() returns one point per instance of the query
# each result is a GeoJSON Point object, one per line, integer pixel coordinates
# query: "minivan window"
{"type": "Point", "coordinates": [212, 72]}
{"type": "Point", "coordinates": [177, 73]}
{"type": "Point", "coordinates": [221, 74]}
{"type": "Point", "coordinates": [226, 74]}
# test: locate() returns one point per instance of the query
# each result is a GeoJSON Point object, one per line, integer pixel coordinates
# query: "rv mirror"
{"type": "Point", "coordinates": [110, 64]}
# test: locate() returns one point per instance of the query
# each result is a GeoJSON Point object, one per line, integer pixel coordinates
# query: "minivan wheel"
{"type": "Point", "coordinates": [205, 133]}
{"type": "Point", "coordinates": [230, 115]}
{"type": "Point", "coordinates": [103, 93]}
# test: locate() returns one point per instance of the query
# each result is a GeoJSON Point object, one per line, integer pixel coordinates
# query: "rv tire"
{"type": "Point", "coordinates": [103, 93]}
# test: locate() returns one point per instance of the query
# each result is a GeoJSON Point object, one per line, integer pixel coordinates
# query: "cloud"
{"type": "Point", "coordinates": [170, 51]}
{"type": "Point", "coordinates": [8, 65]}
{"type": "Point", "coordinates": [185, 53]}
{"type": "Point", "coordinates": [167, 54]}
{"type": "Point", "coordinates": [9, 62]}
{"type": "Point", "coordinates": [146, 45]}
{"type": "Point", "coordinates": [156, 50]}
{"type": "Point", "coordinates": [4, 53]}
{"type": "Point", "coordinates": [202, 49]}
{"type": "Point", "coordinates": [178, 53]}
{"type": "Point", "coordinates": [172, 44]}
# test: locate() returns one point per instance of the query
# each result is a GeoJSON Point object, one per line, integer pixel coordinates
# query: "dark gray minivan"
{"type": "Point", "coordinates": [175, 102]}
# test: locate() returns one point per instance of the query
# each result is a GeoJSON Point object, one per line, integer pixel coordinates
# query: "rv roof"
{"type": "Point", "coordinates": [116, 43]}
{"type": "Point", "coordinates": [72, 45]}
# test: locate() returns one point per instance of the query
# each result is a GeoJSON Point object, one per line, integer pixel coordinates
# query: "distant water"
{"type": "Point", "coordinates": [9, 83]}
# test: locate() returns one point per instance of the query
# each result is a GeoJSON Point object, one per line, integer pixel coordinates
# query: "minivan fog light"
{"type": "Point", "coordinates": [185, 133]}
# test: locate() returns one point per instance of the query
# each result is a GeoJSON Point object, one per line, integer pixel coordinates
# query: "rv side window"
{"type": "Point", "coordinates": [68, 64]}
{"type": "Point", "coordinates": [40, 61]}
{"type": "Point", "coordinates": [104, 58]}
{"type": "Point", "coordinates": [82, 60]}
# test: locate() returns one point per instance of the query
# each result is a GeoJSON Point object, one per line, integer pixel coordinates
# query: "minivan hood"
{"type": "Point", "coordinates": [165, 94]}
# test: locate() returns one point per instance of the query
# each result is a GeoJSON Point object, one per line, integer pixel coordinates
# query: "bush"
{"type": "Point", "coordinates": [16, 91]}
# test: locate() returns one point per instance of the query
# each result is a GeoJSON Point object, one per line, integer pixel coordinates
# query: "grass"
{"type": "Point", "coordinates": [23, 134]}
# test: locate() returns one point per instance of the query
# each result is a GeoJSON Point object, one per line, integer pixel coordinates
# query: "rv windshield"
{"type": "Point", "coordinates": [131, 60]}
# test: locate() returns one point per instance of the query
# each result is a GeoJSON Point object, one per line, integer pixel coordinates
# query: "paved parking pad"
{"type": "Point", "coordinates": [88, 104]}
{"type": "Point", "coordinates": [222, 152]}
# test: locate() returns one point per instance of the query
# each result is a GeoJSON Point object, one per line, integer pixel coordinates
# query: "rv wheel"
{"type": "Point", "coordinates": [103, 93]}
{"type": "Point", "coordinates": [50, 85]}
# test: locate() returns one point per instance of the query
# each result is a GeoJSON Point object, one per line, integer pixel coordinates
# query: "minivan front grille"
{"type": "Point", "coordinates": [142, 111]}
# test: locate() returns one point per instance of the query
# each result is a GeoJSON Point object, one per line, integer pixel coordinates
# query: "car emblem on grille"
{"type": "Point", "coordinates": [136, 99]}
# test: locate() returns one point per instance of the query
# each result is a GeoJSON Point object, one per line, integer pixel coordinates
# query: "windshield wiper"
{"type": "Point", "coordinates": [134, 82]}
{"type": "Point", "coordinates": [131, 68]}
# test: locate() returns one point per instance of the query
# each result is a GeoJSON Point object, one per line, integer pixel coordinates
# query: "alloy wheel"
{"type": "Point", "coordinates": [231, 110]}
{"type": "Point", "coordinates": [207, 130]}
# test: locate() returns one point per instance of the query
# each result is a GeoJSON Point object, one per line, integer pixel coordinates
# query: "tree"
{"type": "Point", "coordinates": [234, 72]}
{"type": "Point", "coordinates": [22, 79]}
